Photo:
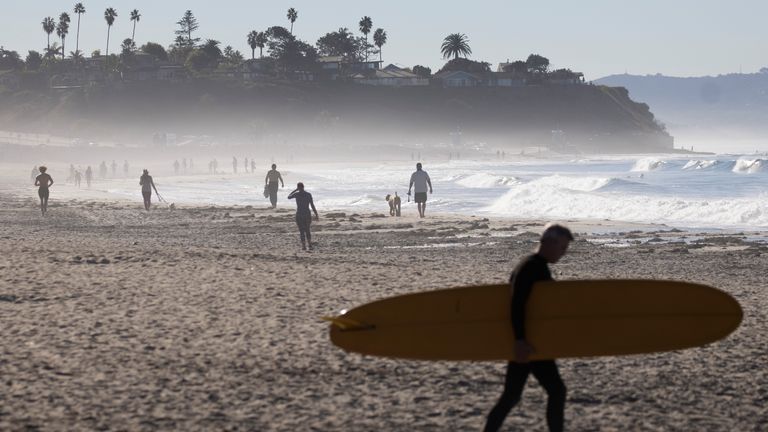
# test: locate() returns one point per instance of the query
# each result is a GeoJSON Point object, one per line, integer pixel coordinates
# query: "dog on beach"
{"type": "Point", "coordinates": [394, 204]}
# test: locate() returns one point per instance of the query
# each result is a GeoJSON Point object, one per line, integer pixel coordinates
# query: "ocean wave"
{"type": "Point", "coordinates": [701, 164]}
{"type": "Point", "coordinates": [484, 180]}
{"type": "Point", "coordinates": [648, 164]}
{"type": "Point", "coordinates": [749, 166]}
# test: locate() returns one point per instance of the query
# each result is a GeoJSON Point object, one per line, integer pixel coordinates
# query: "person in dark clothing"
{"type": "Point", "coordinates": [531, 269]}
{"type": "Point", "coordinates": [303, 216]}
{"type": "Point", "coordinates": [44, 181]}
{"type": "Point", "coordinates": [273, 176]}
{"type": "Point", "coordinates": [147, 184]}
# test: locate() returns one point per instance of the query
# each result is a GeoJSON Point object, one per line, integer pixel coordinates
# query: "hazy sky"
{"type": "Point", "coordinates": [597, 37]}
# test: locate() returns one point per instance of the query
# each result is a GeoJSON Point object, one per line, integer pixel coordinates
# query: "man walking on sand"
{"type": "Point", "coordinates": [303, 216]}
{"type": "Point", "coordinates": [273, 176]}
{"type": "Point", "coordinates": [147, 184]}
{"type": "Point", "coordinates": [419, 181]}
{"type": "Point", "coordinates": [44, 181]}
{"type": "Point", "coordinates": [531, 269]}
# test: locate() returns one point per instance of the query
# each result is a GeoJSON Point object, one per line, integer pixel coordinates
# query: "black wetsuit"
{"type": "Point", "coordinates": [530, 270]}
{"type": "Point", "coordinates": [303, 213]}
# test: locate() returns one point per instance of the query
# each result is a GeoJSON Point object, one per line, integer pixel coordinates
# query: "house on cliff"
{"type": "Point", "coordinates": [459, 79]}
{"type": "Point", "coordinates": [390, 76]}
{"type": "Point", "coordinates": [335, 67]}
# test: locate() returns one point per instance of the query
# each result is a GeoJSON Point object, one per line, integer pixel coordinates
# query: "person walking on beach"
{"type": "Point", "coordinates": [419, 181]}
{"type": "Point", "coordinates": [253, 166]}
{"type": "Point", "coordinates": [126, 168]}
{"type": "Point", "coordinates": [88, 176]}
{"type": "Point", "coordinates": [234, 165]}
{"type": "Point", "coordinates": [44, 181]}
{"type": "Point", "coordinates": [147, 184]}
{"type": "Point", "coordinates": [303, 216]}
{"type": "Point", "coordinates": [78, 178]}
{"type": "Point", "coordinates": [114, 169]}
{"type": "Point", "coordinates": [176, 167]}
{"type": "Point", "coordinates": [273, 176]}
{"type": "Point", "coordinates": [531, 269]}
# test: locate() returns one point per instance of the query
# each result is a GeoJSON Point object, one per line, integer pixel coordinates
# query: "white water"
{"type": "Point", "coordinates": [715, 192]}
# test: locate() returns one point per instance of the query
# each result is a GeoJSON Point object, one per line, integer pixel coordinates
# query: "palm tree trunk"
{"type": "Point", "coordinates": [108, 28]}
{"type": "Point", "coordinates": [62, 48]}
{"type": "Point", "coordinates": [49, 42]}
{"type": "Point", "coordinates": [77, 41]}
{"type": "Point", "coordinates": [260, 52]}
{"type": "Point", "coordinates": [253, 53]}
{"type": "Point", "coordinates": [291, 27]}
{"type": "Point", "coordinates": [133, 35]}
{"type": "Point", "coordinates": [379, 54]}
{"type": "Point", "coordinates": [366, 47]}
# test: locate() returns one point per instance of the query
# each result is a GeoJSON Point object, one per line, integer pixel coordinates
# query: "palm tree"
{"type": "Point", "coordinates": [49, 26]}
{"type": "Point", "coordinates": [62, 29]}
{"type": "Point", "coordinates": [379, 39]}
{"type": "Point", "coordinates": [135, 17]}
{"type": "Point", "coordinates": [109, 17]}
{"type": "Point", "coordinates": [292, 15]}
{"type": "Point", "coordinates": [79, 10]}
{"type": "Point", "coordinates": [455, 44]}
{"type": "Point", "coordinates": [252, 42]}
{"type": "Point", "coordinates": [52, 51]}
{"type": "Point", "coordinates": [261, 42]}
{"type": "Point", "coordinates": [365, 28]}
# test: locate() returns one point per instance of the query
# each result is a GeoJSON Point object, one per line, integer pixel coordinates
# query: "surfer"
{"type": "Point", "coordinates": [44, 181]}
{"type": "Point", "coordinates": [147, 184]}
{"type": "Point", "coordinates": [273, 176]}
{"type": "Point", "coordinates": [531, 269]}
{"type": "Point", "coordinates": [303, 216]}
{"type": "Point", "coordinates": [419, 182]}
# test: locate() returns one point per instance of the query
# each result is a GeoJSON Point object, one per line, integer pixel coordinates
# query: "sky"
{"type": "Point", "coordinates": [596, 37]}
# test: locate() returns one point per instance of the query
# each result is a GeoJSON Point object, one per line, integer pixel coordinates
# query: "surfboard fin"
{"type": "Point", "coordinates": [345, 323]}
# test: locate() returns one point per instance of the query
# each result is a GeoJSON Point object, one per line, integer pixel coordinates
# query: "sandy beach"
{"type": "Point", "coordinates": [207, 318]}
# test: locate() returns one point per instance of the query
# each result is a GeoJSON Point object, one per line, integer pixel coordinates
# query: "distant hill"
{"type": "Point", "coordinates": [593, 118]}
{"type": "Point", "coordinates": [723, 107]}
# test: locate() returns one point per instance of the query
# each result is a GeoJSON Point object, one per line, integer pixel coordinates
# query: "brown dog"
{"type": "Point", "coordinates": [394, 204]}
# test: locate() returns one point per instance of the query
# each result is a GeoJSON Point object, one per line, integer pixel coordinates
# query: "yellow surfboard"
{"type": "Point", "coordinates": [581, 318]}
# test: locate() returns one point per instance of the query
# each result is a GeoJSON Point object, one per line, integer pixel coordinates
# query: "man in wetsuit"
{"type": "Point", "coordinates": [419, 181]}
{"type": "Point", "coordinates": [44, 181]}
{"type": "Point", "coordinates": [531, 269]}
{"type": "Point", "coordinates": [273, 176]}
{"type": "Point", "coordinates": [303, 216]}
{"type": "Point", "coordinates": [147, 184]}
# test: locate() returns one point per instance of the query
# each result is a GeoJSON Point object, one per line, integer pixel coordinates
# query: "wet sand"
{"type": "Point", "coordinates": [207, 319]}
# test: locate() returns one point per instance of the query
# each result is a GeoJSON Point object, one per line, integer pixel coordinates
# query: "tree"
{"type": "Point", "coordinates": [52, 51]}
{"type": "Point", "coordinates": [10, 60]}
{"type": "Point", "coordinates": [156, 50]}
{"type": "Point", "coordinates": [187, 24]}
{"type": "Point", "coordinates": [48, 27]}
{"type": "Point", "coordinates": [261, 42]}
{"type": "Point", "coordinates": [537, 64]}
{"type": "Point", "coordinates": [455, 44]}
{"type": "Point", "coordinates": [465, 65]}
{"type": "Point", "coordinates": [135, 17]}
{"type": "Point", "coordinates": [33, 61]}
{"type": "Point", "coordinates": [290, 54]}
{"type": "Point", "coordinates": [79, 10]}
{"type": "Point", "coordinates": [252, 42]}
{"type": "Point", "coordinates": [518, 67]}
{"type": "Point", "coordinates": [379, 39]}
{"type": "Point", "coordinates": [76, 56]}
{"type": "Point", "coordinates": [292, 15]}
{"type": "Point", "coordinates": [365, 27]}
{"type": "Point", "coordinates": [422, 71]}
{"type": "Point", "coordinates": [232, 57]}
{"type": "Point", "coordinates": [109, 16]}
{"type": "Point", "coordinates": [62, 29]}
{"type": "Point", "coordinates": [339, 43]}
{"type": "Point", "coordinates": [212, 50]}
{"type": "Point", "coordinates": [127, 49]}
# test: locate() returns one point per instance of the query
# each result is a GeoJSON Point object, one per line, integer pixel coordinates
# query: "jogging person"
{"type": "Point", "coordinates": [531, 269]}
{"type": "Point", "coordinates": [44, 181]}
{"type": "Point", "coordinates": [419, 181]}
{"type": "Point", "coordinates": [147, 184]}
{"type": "Point", "coordinates": [303, 216]}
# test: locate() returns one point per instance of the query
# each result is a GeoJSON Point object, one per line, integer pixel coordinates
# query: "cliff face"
{"type": "Point", "coordinates": [593, 118]}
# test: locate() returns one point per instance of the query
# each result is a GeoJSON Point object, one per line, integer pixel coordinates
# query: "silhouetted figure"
{"type": "Point", "coordinates": [71, 177]}
{"type": "Point", "coordinates": [126, 168]}
{"type": "Point", "coordinates": [253, 166]}
{"type": "Point", "coordinates": [246, 165]}
{"type": "Point", "coordinates": [78, 178]}
{"type": "Point", "coordinates": [273, 176]}
{"type": "Point", "coordinates": [114, 169]}
{"type": "Point", "coordinates": [184, 165]}
{"type": "Point", "coordinates": [147, 184]}
{"type": "Point", "coordinates": [234, 165]}
{"type": "Point", "coordinates": [191, 165]}
{"type": "Point", "coordinates": [44, 181]}
{"type": "Point", "coordinates": [303, 215]}
{"type": "Point", "coordinates": [176, 167]}
{"type": "Point", "coordinates": [88, 176]}
{"type": "Point", "coordinates": [531, 269]}
{"type": "Point", "coordinates": [103, 169]}
{"type": "Point", "coordinates": [215, 166]}
{"type": "Point", "coordinates": [419, 181]}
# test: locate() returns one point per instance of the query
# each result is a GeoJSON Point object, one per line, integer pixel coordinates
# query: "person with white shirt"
{"type": "Point", "coordinates": [419, 182]}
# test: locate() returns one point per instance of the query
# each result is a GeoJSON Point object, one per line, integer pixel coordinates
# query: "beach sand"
{"type": "Point", "coordinates": [208, 319]}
